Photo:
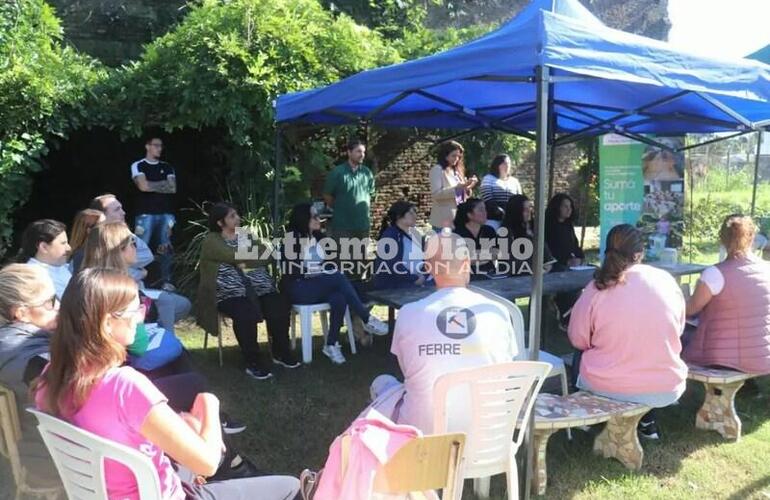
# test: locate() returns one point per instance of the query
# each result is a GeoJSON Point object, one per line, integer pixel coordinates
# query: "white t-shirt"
{"type": "Point", "coordinates": [450, 330]}
{"type": "Point", "coordinates": [713, 279]}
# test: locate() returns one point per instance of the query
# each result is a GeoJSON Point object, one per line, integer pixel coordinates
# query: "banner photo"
{"type": "Point", "coordinates": [643, 185]}
{"type": "Point", "coordinates": [621, 184]}
{"type": "Point", "coordinates": [662, 219]}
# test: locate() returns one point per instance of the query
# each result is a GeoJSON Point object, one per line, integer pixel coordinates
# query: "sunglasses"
{"type": "Point", "coordinates": [131, 240]}
{"type": "Point", "coordinates": [48, 304]}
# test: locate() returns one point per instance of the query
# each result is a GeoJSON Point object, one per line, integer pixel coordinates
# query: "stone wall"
{"type": "Point", "coordinates": [114, 31]}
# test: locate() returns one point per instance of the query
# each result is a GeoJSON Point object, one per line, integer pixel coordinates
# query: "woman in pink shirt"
{"type": "Point", "coordinates": [86, 384]}
{"type": "Point", "coordinates": [627, 323]}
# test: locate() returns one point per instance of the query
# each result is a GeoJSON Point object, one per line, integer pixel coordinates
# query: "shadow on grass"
{"type": "Point", "coordinates": [293, 418]}
{"type": "Point", "coordinates": [751, 489]}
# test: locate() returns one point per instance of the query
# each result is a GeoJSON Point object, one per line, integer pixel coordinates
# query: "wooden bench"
{"type": "Point", "coordinates": [718, 410]}
{"type": "Point", "coordinates": [618, 440]}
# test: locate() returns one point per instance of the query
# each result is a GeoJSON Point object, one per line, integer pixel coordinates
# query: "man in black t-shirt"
{"type": "Point", "coordinates": [155, 205]}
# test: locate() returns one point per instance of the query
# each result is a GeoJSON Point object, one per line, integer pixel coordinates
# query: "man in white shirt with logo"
{"type": "Point", "coordinates": [452, 329]}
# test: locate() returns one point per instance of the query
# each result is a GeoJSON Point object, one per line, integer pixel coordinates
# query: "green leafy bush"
{"type": "Point", "coordinates": [42, 87]}
{"type": "Point", "coordinates": [227, 61]}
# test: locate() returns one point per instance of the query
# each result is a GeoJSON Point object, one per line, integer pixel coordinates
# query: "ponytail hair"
{"type": "Point", "coordinates": [737, 234]}
{"type": "Point", "coordinates": [624, 245]}
{"type": "Point", "coordinates": [395, 212]}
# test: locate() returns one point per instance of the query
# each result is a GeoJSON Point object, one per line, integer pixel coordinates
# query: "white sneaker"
{"type": "Point", "coordinates": [376, 326]}
{"type": "Point", "coordinates": [334, 353]}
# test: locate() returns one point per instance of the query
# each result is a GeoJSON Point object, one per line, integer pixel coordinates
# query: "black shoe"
{"type": "Point", "coordinates": [649, 430]}
{"type": "Point", "coordinates": [287, 361]}
{"type": "Point", "coordinates": [258, 373]}
{"type": "Point", "coordinates": [237, 468]}
{"type": "Point", "coordinates": [231, 426]}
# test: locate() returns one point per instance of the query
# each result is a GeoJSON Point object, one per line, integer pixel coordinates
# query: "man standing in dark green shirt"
{"type": "Point", "coordinates": [349, 189]}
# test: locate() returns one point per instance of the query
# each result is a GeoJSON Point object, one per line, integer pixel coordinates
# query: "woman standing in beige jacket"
{"type": "Point", "coordinates": [448, 185]}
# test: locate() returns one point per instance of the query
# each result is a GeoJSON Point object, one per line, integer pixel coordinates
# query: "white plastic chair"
{"type": "Point", "coordinates": [10, 434]}
{"type": "Point", "coordinates": [79, 457]}
{"type": "Point", "coordinates": [558, 368]}
{"type": "Point", "coordinates": [500, 397]}
{"type": "Point", "coordinates": [305, 313]}
{"type": "Point", "coordinates": [517, 320]}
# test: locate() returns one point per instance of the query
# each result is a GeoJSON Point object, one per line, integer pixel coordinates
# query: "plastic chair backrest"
{"type": "Point", "coordinates": [10, 432]}
{"type": "Point", "coordinates": [423, 464]}
{"type": "Point", "coordinates": [79, 457]}
{"type": "Point", "coordinates": [501, 396]}
{"type": "Point", "coordinates": [517, 320]}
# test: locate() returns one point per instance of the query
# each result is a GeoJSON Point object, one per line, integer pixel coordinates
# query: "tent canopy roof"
{"type": "Point", "coordinates": [604, 80]}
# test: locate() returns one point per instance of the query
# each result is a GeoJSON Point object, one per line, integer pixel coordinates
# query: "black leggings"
{"type": "Point", "coordinates": [245, 316]}
{"type": "Point", "coordinates": [181, 389]}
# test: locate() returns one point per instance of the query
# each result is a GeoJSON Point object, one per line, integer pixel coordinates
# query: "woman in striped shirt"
{"type": "Point", "coordinates": [499, 185]}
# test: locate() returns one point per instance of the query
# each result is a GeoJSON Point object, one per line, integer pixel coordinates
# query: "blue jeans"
{"type": "Point", "coordinates": [337, 291]}
{"type": "Point", "coordinates": [155, 229]}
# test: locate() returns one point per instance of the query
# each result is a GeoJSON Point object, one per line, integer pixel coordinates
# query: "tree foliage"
{"type": "Point", "coordinates": [227, 61]}
{"type": "Point", "coordinates": [42, 86]}
{"type": "Point", "coordinates": [222, 66]}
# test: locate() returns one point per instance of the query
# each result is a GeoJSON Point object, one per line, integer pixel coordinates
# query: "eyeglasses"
{"type": "Point", "coordinates": [127, 313]}
{"type": "Point", "coordinates": [48, 304]}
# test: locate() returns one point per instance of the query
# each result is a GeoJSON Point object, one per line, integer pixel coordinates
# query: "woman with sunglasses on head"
{"type": "Point", "coordinates": [246, 296]}
{"type": "Point", "coordinates": [310, 280]}
{"type": "Point", "coordinates": [28, 313]}
{"type": "Point", "coordinates": [44, 243]}
{"type": "Point", "coordinates": [113, 245]}
{"type": "Point", "coordinates": [87, 384]}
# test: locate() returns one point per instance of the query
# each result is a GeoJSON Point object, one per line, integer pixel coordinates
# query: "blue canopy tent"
{"type": "Point", "coordinates": [556, 74]}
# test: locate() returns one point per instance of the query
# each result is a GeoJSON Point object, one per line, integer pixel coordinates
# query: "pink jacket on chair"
{"type": "Point", "coordinates": [374, 439]}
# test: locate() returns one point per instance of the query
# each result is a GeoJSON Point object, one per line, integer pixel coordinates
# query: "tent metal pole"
{"type": "Point", "coordinates": [536, 299]}
{"type": "Point", "coordinates": [756, 173]}
{"type": "Point", "coordinates": [277, 175]}
{"type": "Point", "coordinates": [551, 142]}
{"type": "Point", "coordinates": [712, 141]}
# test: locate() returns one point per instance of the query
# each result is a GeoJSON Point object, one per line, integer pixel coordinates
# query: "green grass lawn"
{"type": "Point", "coordinates": [294, 418]}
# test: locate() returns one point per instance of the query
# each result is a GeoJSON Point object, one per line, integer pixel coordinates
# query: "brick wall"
{"type": "Point", "coordinates": [406, 177]}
